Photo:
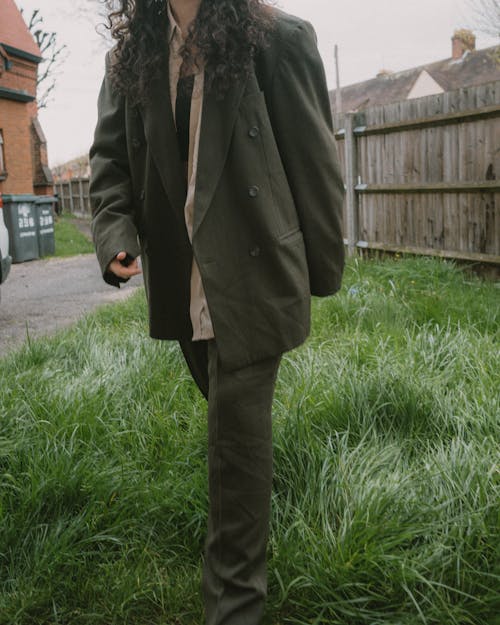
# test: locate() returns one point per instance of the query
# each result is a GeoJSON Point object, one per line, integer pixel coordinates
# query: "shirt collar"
{"type": "Point", "coordinates": [174, 28]}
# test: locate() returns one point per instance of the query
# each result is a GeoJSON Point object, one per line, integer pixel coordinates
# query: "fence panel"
{"type": "Point", "coordinates": [74, 196]}
{"type": "Point", "coordinates": [426, 174]}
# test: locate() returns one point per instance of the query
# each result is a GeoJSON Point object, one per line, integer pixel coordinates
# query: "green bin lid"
{"type": "Point", "coordinates": [45, 199]}
{"type": "Point", "coordinates": [11, 197]}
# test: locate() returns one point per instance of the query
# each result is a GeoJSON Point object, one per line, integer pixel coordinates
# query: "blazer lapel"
{"type": "Point", "coordinates": [161, 136]}
{"type": "Point", "coordinates": [217, 123]}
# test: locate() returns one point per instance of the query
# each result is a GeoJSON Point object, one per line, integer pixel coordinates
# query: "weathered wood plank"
{"type": "Point", "coordinates": [428, 122]}
{"type": "Point", "coordinates": [431, 187]}
{"type": "Point", "coordinates": [428, 251]}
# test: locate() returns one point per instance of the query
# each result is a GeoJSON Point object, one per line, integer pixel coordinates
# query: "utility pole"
{"type": "Point", "coordinates": [338, 98]}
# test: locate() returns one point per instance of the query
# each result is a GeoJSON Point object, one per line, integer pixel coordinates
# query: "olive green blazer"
{"type": "Point", "coordinates": [269, 192]}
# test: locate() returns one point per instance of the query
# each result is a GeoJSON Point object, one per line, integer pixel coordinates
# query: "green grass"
{"type": "Point", "coordinates": [69, 241]}
{"type": "Point", "coordinates": [386, 489]}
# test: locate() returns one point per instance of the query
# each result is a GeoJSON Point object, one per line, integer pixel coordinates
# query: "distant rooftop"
{"type": "Point", "coordinates": [467, 67]}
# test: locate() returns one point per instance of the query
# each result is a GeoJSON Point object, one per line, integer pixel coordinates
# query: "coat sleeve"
{"type": "Point", "coordinates": [113, 227]}
{"type": "Point", "coordinates": [302, 123]}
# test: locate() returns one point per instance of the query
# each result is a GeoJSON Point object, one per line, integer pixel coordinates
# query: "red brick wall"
{"type": "Point", "coordinates": [21, 76]}
{"type": "Point", "coordinates": [42, 176]}
{"type": "Point", "coordinates": [22, 154]}
{"type": "Point", "coordinates": [15, 124]}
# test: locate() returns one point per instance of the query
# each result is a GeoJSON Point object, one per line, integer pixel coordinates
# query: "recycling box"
{"type": "Point", "coordinates": [20, 212]}
{"type": "Point", "coordinates": [45, 224]}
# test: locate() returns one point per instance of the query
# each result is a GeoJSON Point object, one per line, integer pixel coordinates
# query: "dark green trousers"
{"type": "Point", "coordinates": [240, 480]}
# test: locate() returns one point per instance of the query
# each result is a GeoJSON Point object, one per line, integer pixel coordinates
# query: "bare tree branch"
{"type": "Point", "coordinates": [53, 56]}
{"type": "Point", "coordinates": [95, 12]}
{"type": "Point", "coordinates": [486, 16]}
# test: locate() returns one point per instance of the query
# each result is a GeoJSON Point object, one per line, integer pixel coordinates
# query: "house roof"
{"type": "Point", "coordinates": [473, 68]}
{"type": "Point", "coordinates": [78, 167]}
{"type": "Point", "coordinates": [13, 29]}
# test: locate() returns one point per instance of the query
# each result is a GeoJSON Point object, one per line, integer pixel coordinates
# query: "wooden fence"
{"type": "Point", "coordinates": [423, 175]}
{"type": "Point", "coordinates": [74, 196]}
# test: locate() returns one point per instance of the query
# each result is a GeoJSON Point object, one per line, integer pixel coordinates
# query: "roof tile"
{"type": "Point", "coordinates": [13, 29]}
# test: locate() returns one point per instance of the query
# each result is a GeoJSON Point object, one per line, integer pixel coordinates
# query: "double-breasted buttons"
{"type": "Point", "coordinates": [136, 144]}
{"type": "Point", "coordinates": [255, 251]}
{"type": "Point", "coordinates": [253, 191]}
{"type": "Point", "coordinates": [253, 132]}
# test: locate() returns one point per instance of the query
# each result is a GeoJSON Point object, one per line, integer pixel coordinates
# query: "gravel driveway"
{"type": "Point", "coordinates": [42, 296]}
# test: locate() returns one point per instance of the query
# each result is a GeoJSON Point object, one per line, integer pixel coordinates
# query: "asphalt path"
{"type": "Point", "coordinates": [41, 296]}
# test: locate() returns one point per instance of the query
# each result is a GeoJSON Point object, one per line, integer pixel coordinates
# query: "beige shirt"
{"type": "Point", "coordinates": [200, 316]}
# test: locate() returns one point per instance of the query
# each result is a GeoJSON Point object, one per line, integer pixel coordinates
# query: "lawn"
{"type": "Point", "coordinates": [68, 238]}
{"type": "Point", "coordinates": [386, 489]}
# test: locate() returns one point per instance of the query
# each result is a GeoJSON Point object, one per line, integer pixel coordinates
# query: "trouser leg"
{"type": "Point", "coordinates": [196, 356]}
{"type": "Point", "coordinates": [240, 480]}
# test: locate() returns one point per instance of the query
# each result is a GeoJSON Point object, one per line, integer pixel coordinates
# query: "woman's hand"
{"type": "Point", "coordinates": [125, 272]}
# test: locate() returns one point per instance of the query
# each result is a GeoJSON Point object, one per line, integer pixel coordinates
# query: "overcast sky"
{"type": "Point", "coordinates": [371, 35]}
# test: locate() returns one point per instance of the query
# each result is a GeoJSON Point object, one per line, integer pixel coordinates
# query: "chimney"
{"type": "Point", "coordinates": [463, 41]}
{"type": "Point", "coordinates": [384, 73]}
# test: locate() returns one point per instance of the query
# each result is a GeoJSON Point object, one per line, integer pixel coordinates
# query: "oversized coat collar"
{"type": "Point", "coordinates": [218, 118]}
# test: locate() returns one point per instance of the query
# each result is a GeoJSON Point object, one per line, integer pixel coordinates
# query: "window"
{"type": "Point", "coordinates": [2, 156]}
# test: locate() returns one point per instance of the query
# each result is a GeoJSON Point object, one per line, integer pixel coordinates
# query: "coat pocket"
{"type": "Point", "coordinates": [290, 237]}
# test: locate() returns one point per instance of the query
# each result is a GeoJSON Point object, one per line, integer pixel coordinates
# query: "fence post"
{"type": "Point", "coordinates": [88, 206]}
{"type": "Point", "coordinates": [64, 192]}
{"type": "Point", "coordinates": [70, 190]}
{"type": "Point", "coordinates": [80, 193]}
{"type": "Point", "coordinates": [351, 175]}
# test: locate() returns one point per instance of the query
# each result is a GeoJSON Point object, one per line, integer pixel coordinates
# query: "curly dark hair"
{"type": "Point", "coordinates": [226, 36]}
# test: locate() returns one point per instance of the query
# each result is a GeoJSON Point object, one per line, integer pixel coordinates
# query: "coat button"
{"type": "Point", "coordinates": [255, 251]}
{"type": "Point", "coordinates": [253, 191]}
{"type": "Point", "coordinates": [136, 144]}
{"type": "Point", "coordinates": [253, 132]}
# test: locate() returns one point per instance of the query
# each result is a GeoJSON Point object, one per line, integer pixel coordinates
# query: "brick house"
{"type": "Point", "coordinates": [23, 147]}
{"type": "Point", "coordinates": [78, 167]}
{"type": "Point", "coordinates": [467, 67]}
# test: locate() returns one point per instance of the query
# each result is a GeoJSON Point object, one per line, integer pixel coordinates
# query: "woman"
{"type": "Point", "coordinates": [214, 158]}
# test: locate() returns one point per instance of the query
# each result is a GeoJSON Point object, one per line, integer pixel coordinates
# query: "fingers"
{"type": "Point", "coordinates": [124, 272]}
{"type": "Point", "coordinates": [116, 267]}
